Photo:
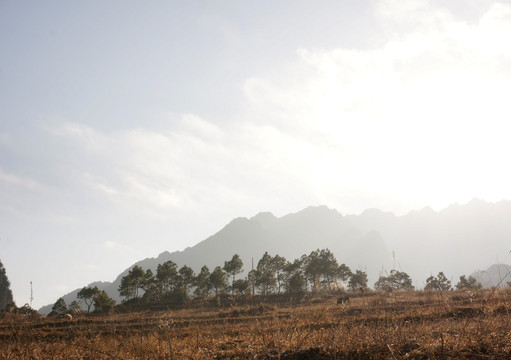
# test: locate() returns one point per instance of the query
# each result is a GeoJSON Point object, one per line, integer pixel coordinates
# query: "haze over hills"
{"type": "Point", "coordinates": [456, 240]}
{"type": "Point", "coordinates": [497, 275]}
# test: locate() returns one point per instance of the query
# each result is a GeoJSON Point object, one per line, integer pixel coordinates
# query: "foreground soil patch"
{"type": "Point", "coordinates": [415, 325]}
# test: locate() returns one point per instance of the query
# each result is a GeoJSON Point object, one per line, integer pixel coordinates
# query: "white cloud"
{"type": "Point", "coordinates": [402, 16]}
{"type": "Point", "coordinates": [421, 117]}
{"type": "Point", "coordinates": [13, 180]}
{"type": "Point", "coordinates": [115, 246]}
{"type": "Point", "coordinates": [82, 135]}
{"type": "Point", "coordinates": [89, 267]}
{"type": "Point", "coordinates": [202, 129]}
{"type": "Point", "coordinates": [5, 139]}
{"type": "Point", "coordinates": [495, 29]}
{"type": "Point", "coordinates": [99, 183]}
{"type": "Point", "coordinates": [62, 289]}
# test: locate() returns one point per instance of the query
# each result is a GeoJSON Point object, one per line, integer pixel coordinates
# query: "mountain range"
{"type": "Point", "coordinates": [457, 240]}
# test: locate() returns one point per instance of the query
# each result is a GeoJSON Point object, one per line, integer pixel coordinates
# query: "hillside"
{"type": "Point", "coordinates": [496, 275]}
{"type": "Point", "coordinates": [456, 240]}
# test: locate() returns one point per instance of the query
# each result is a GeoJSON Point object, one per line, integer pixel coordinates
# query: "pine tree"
{"type": "Point", "coordinates": [397, 280]}
{"type": "Point", "coordinates": [471, 283]}
{"type": "Point", "coordinates": [202, 283]}
{"type": "Point", "coordinates": [87, 295]}
{"type": "Point", "coordinates": [103, 302]}
{"type": "Point", "coordinates": [358, 280]}
{"type": "Point", "coordinates": [218, 280]}
{"type": "Point", "coordinates": [438, 283]}
{"type": "Point", "coordinates": [59, 308]}
{"type": "Point", "coordinates": [233, 267]}
{"type": "Point", "coordinates": [5, 289]}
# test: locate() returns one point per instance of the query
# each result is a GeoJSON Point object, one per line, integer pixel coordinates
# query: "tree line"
{"type": "Point", "coordinates": [273, 274]}
{"type": "Point", "coordinates": [317, 271]}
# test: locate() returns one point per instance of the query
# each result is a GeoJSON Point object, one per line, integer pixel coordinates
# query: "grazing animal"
{"type": "Point", "coordinates": [343, 299]}
{"type": "Point", "coordinates": [68, 317]}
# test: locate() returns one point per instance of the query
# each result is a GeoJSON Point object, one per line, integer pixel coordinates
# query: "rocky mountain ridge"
{"type": "Point", "coordinates": [456, 240]}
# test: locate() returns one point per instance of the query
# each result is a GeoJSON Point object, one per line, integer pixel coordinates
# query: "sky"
{"type": "Point", "coordinates": [131, 128]}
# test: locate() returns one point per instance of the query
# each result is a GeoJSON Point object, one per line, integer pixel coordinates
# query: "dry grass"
{"type": "Point", "coordinates": [415, 325]}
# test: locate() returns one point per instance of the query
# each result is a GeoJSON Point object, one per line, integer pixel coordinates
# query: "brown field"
{"type": "Point", "coordinates": [415, 325]}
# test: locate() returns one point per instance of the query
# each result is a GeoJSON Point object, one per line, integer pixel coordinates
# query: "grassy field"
{"type": "Point", "coordinates": [415, 325]}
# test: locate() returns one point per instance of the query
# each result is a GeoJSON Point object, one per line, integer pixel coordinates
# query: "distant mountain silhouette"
{"type": "Point", "coordinates": [495, 275]}
{"type": "Point", "coordinates": [456, 240]}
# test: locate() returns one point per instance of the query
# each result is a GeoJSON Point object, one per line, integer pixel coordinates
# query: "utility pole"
{"type": "Point", "coordinates": [31, 293]}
